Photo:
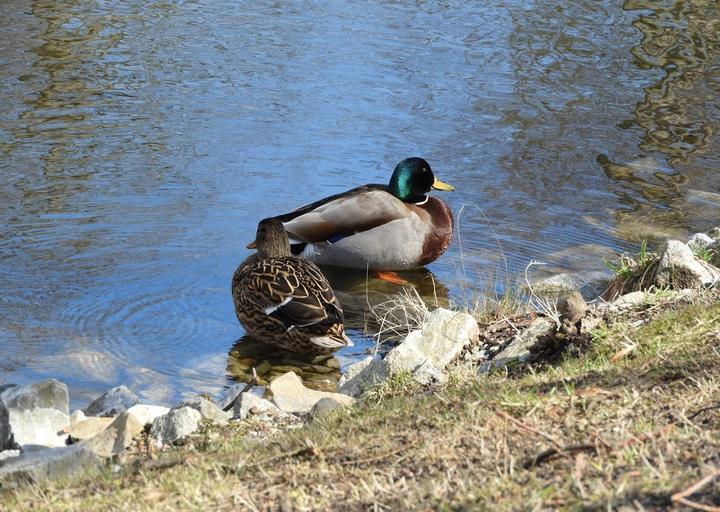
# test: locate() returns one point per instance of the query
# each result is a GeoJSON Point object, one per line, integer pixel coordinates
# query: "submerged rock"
{"type": "Point", "coordinates": [290, 395]}
{"type": "Point", "coordinates": [146, 414]}
{"type": "Point", "coordinates": [249, 404]}
{"type": "Point", "coordinates": [48, 464]}
{"type": "Point", "coordinates": [39, 426]}
{"type": "Point", "coordinates": [441, 340]}
{"type": "Point", "coordinates": [360, 376]}
{"type": "Point", "coordinates": [112, 402]}
{"type": "Point", "coordinates": [175, 425]}
{"type": "Point", "coordinates": [48, 394]}
{"type": "Point", "coordinates": [588, 284]}
{"type": "Point", "coordinates": [116, 437]}
{"type": "Point", "coordinates": [206, 408]}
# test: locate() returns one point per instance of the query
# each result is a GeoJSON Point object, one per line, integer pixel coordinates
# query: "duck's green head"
{"type": "Point", "coordinates": [412, 179]}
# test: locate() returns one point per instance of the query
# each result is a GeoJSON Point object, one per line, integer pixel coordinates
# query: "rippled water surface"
{"type": "Point", "coordinates": [140, 142]}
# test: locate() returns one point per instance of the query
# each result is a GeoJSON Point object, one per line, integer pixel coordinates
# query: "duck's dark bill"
{"type": "Point", "coordinates": [439, 185]}
{"type": "Point", "coordinates": [251, 245]}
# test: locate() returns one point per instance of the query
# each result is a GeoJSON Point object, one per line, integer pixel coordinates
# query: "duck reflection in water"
{"type": "Point", "coordinates": [359, 294]}
{"type": "Point", "coordinates": [319, 372]}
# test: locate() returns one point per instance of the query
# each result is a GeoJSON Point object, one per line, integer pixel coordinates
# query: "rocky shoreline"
{"type": "Point", "coordinates": [40, 439]}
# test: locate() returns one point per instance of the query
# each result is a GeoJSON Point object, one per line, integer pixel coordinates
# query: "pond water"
{"type": "Point", "coordinates": [140, 142]}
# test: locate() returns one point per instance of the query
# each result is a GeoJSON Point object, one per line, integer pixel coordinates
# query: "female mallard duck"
{"type": "Point", "coordinates": [383, 227]}
{"type": "Point", "coordinates": [286, 301]}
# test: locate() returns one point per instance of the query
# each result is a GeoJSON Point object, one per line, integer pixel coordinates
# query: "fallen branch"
{"type": "Point", "coordinates": [529, 428]}
{"type": "Point", "coordinates": [681, 497]}
{"type": "Point", "coordinates": [704, 409]}
{"type": "Point", "coordinates": [550, 452]}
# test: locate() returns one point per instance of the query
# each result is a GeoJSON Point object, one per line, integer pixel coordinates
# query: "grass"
{"type": "Point", "coordinates": [632, 421]}
{"type": "Point", "coordinates": [632, 272]}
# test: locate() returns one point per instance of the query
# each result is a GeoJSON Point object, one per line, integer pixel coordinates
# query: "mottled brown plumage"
{"type": "Point", "coordinates": [286, 301]}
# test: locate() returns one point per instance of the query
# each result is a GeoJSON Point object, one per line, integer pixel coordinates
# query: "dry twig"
{"type": "Point", "coordinates": [681, 497]}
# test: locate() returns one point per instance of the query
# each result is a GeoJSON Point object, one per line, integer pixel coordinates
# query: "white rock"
{"type": "Point", "coordinates": [290, 395]}
{"type": "Point", "coordinates": [630, 299]}
{"type": "Point", "coordinates": [39, 426]}
{"type": "Point", "coordinates": [700, 241]}
{"type": "Point", "coordinates": [48, 394]}
{"type": "Point", "coordinates": [116, 437]}
{"type": "Point", "coordinates": [443, 336]}
{"type": "Point", "coordinates": [249, 404]}
{"type": "Point", "coordinates": [9, 454]}
{"type": "Point", "coordinates": [146, 414]}
{"type": "Point", "coordinates": [362, 375]}
{"type": "Point", "coordinates": [175, 425]}
{"type": "Point", "coordinates": [426, 374]}
{"type": "Point", "coordinates": [206, 408]}
{"type": "Point", "coordinates": [88, 428]}
{"type": "Point", "coordinates": [77, 416]}
{"type": "Point", "coordinates": [678, 266]}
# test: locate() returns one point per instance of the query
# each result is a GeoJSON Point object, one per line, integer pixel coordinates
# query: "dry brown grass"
{"type": "Point", "coordinates": [594, 432]}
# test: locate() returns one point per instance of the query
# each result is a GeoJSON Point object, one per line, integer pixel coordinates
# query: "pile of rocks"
{"type": "Point", "coordinates": [40, 439]}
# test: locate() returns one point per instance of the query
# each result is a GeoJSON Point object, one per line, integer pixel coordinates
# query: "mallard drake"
{"type": "Point", "coordinates": [382, 227]}
{"type": "Point", "coordinates": [286, 301]}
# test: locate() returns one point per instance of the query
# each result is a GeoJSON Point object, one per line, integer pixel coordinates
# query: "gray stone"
{"type": "Point", "coordinates": [48, 394]}
{"type": "Point", "coordinates": [679, 268]}
{"type": "Point", "coordinates": [146, 414]}
{"type": "Point", "coordinates": [290, 395]}
{"type": "Point", "coordinates": [112, 402]}
{"type": "Point", "coordinates": [6, 435]}
{"type": "Point", "coordinates": [224, 400]}
{"type": "Point", "coordinates": [521, 345]}
{"type": "Point", "coordinates": [249, 404]}
{"type": "Point", "coordinates": [362, 375]}
{"type": "Point", "coordinates": [589, 284]}
{"type": "Point", "coordinates": [116, 437]}
{"type": "Point", "coordinates": [426, 374]}
{"type": "Point", "coordinates": [206, 408]}
{"type": "Point", "coordinates": [175, 425]}
{"type": "Point", "coordinates": [39, 426]}
{"type": "Point", "coordinates": [441, 340]}
{"type": "Point", "coordinates": [323, 407]}
{"type": "Point", "coordinates": [630, 300]}
{"type": "Point", "coordinates": [35, 466]}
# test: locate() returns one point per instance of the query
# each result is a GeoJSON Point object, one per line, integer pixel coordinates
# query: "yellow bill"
{"type": "Point", "coordinates": [439, 185]}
